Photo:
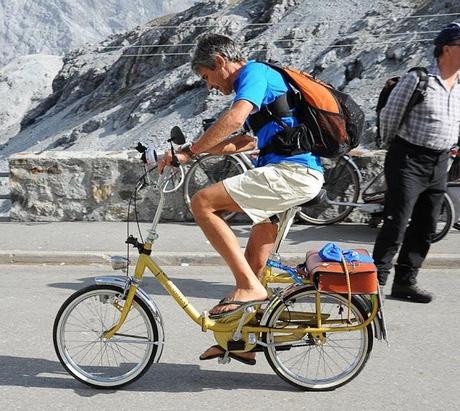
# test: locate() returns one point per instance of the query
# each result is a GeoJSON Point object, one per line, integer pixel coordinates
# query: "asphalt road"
{"type": "Point", "coordinates": [420, 370]}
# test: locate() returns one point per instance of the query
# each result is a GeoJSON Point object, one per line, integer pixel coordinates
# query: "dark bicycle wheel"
{"type": "Point", "coordinates": [342, 184]}
{"type": "Point", "coordinates": [445, 220]}
{"type": "Point", "coordinates": [208, 170]}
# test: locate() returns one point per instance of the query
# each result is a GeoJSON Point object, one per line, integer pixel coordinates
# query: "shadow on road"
{"type": "Point", "coordinates": [40, 373]}
{"type": "Point", "coordinates": [350, 233]}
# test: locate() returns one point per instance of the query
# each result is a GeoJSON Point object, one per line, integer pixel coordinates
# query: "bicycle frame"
{"type": "Point", "coordinates": [145, 261]}
{"type": "Point", "coordinates": [239, 325]}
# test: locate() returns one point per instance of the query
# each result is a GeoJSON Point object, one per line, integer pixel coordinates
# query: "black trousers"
{"type": "Point", "coordinates": [417, 180]}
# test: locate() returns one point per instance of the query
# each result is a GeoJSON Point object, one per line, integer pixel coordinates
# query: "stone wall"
{"type": "Point", "coordinates": [97, 186]}
{"type": "Point", "coordinates": [83, 186]}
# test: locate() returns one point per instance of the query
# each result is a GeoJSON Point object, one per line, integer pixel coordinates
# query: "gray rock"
{"type": "Point", "coordinates": [66, 186]}
{"type": "Point", "coordinates": [335, 74]}
{"type": "Point", "coordinates": [86, 186]}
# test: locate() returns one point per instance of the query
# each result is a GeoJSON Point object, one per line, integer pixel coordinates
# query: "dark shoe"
{"type": "Point", "coordinates": [411, 293]}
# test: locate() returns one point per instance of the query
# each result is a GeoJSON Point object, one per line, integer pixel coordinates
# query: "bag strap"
{"type": "Point", "coordinates": [347, 276]}
{"type": "Point", "coordinates": [280, 107]}
{"type": "Point", "coordinates": [419, 93]}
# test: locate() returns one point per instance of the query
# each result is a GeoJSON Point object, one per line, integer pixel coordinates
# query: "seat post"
{"type": "Point", "coordinates": [286, 219]}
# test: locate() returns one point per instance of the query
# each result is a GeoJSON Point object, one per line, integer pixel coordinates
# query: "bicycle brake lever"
{"type": "Point", "coordinates": [147, 175]}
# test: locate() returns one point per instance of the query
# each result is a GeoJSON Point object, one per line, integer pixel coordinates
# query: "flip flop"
{"type": "Point", "coordinates": [241, 306]}
{"type": "Point", "coordinates": [247, 361]}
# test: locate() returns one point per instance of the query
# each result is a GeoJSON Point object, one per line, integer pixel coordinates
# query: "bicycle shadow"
{"type": "Point", "coordinates": [190, 287]}
{"type": "Point", "coordinates": [161, 377]}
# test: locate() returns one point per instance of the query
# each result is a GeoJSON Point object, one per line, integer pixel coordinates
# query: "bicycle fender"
{"type": "Point", "coordinates": [284, 295]}
{"type": "Point", "coordinates": [358, 300]}
{"type": "Point", "coordinates": [349, 160]}
{"type": "Point", "coordinates": [376, 324]}
{"type": "Point", "coordinates": [122, 283]}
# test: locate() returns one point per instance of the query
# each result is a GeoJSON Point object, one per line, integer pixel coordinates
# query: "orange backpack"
{"type": "Point", "coordinates": [331, 121]}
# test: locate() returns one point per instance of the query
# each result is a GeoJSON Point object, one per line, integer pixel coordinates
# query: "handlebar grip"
{"type": "Point", "coordinates": [141, 148]}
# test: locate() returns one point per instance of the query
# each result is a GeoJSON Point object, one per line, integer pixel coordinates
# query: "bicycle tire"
{"type": "Point", "coordinates": [446, 219]}
{"type": "Point", "coordinates": [82, 351]}
{"type": "Point", "coordinates": [342, 183]}
{"type": "Point", "coordinates": [210, 169]}
{"type": "Point", "coordinates": [308, 364]}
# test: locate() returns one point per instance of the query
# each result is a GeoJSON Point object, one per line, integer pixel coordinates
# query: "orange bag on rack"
{"type": "Point", "coordinates": [329, 276]}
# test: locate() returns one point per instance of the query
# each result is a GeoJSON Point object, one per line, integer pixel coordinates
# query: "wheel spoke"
{"type": "Point", "coordinates": [91, 358]}
{"type": "Point", "coordinates": [323, 361]}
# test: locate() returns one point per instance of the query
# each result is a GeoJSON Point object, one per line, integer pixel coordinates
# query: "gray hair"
{"type": "Point", "coordinates": [212, 44]}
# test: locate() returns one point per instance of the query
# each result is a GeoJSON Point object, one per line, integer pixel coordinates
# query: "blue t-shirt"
{"type": "Point", "coordinates": [261, 85]}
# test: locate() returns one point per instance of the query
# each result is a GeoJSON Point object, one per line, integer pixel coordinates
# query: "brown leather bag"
{"type": "Point", "coordinates": [329, 276]}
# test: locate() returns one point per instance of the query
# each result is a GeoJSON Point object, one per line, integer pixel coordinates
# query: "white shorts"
{"type": "Point", "coordinates": [272, 189]}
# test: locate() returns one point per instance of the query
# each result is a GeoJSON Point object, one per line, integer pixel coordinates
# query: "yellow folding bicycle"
{"type": "Point", "coordinates": [314, 336]}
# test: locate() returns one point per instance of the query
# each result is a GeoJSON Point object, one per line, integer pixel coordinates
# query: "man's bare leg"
{"type": "Point", "coordinates": [260, 245]}
{"type": "Point", "coordinates": [258, 249]}
{"type": "Point", "coordinates": [205, 206]}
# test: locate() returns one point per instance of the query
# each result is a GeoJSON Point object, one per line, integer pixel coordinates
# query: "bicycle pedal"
{"type": "Point", "coordinates": [236, 345]}
{"type": "Point", "coordinates": [224, 360]}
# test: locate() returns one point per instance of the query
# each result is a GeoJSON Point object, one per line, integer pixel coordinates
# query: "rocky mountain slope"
{"type": "Point", "coordinates": [134, 86]}
{"type": "Point", "coordinates": [24, 83]}
{"type": "Point", "coordinates": [56, 26]}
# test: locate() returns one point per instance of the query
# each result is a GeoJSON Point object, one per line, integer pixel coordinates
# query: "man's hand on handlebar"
{"type": "Point", "coordinates": [167, 159]}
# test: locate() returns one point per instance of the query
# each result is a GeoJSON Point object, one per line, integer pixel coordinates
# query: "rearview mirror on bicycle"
{"type": "Point", "coordinates": [170, 180]}
{"type": "Point", "coordinates": [177, 136]}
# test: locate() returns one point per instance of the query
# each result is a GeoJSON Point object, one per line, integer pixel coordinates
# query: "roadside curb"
{"type": "Point", "coordinates": [447, 261]}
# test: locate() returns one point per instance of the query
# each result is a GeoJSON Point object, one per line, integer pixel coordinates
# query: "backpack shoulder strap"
{"type": "Point", "coordinates": [420, 90]}
{"type": "Point", "coordinates": [280, 107]}
{"type": "Point", "coordinates": [422, 74]}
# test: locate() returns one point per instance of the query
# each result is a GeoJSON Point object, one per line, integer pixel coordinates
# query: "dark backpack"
{"type": "Point", "coordinates": [331, 122]}
{"type": "Point", "coordinates": [417, 97]}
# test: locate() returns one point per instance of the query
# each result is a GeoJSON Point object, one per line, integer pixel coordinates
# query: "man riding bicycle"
{"type": "Point", "coordinates": [278, 182]}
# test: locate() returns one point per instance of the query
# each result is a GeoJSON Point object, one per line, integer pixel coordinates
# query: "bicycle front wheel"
{"type": "Point", "coordinates": [208, 170]}
{"type": "Point", "coordinates": [318, 362]}
{"type": "Point", "coordinates": [445, 220]}
{"type": "Point", "coordinates": [342, 184]}
{"type": "Point", "coordinates": [99, 362]}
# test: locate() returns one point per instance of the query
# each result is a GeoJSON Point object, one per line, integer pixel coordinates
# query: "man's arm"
{"type": "Point", "coordinates": [392, 114]}
{"type": "Point", "coordinates": [232, 120]}
{"type": "Point", "coordinates": [235, 144]}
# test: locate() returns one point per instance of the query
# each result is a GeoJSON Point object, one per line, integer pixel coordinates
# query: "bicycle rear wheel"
{"type": "Point", "coordinates": [446, 219]}
{"type": "Point", "coordinates": [208, 170]}
{"type": "Point", "coordinates": [342, 184]}
{"type": "Point", "coordinates": [93, 360]}
{"type": "Point", "coordinates": [318, 362]}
